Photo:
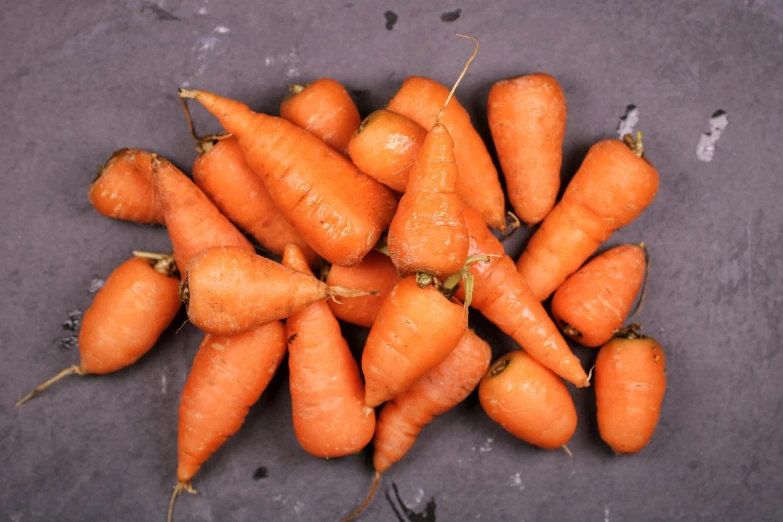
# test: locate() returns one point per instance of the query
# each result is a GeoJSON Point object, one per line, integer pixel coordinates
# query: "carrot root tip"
{"type": "Point", "coordinates": [572, 332]}
{"type": "Point", "coordinates": [568, 451]}
{"type": "Point", "coordinates": [41, 387]}
{"type": "Point", "coordinates": [185, 93]}
{"type": "Point", "coordinates": [184, 291]}
{"type": "Point", "coordinates": [179, 488]}
{"type": "Point", "coordinates": [375, 481]}
{"type": "Point", "coordinates": [513, 227]}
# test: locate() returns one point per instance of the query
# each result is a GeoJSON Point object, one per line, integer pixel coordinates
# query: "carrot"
{"type": "Point", "coordinates": [374, 272]}
{"type": "Point", "coordinates": [229, 290]}
{"type": "Point", "coordinates": [124, 188]}
{"type": "Point", "coordinates": [239, 193]}
{"type": "Point", "coordinates": [527, 118]}
{"type": "Point", "coordinates": [420, 99]}
{"type": "Point", "coordinates": [416, 329]}
{"type": "Point", "coordinates": [612, 187]}
{"type": "Point", "coordinates": [528, 401]}
{"type": "Point", "coordinates": [324, 109]}
{"type": "Point", "coordinates": [630, 382]}
{"type": "Point", "coordinates": [436, 392]}
{"type": "Point", "coordinates": [385, 147]}
{"type": "Point", "coordinates": [135, 306]}
{"type": "Point", "coordinates": [227, 377]}
{"type": "Point", "coordinates": [327, 392]}
{"type": "Point", "coordinates": [194, 223]}
{"type": "Point", "coordinates": [503, 297]}
{"type": "Point", "coordinates": [595, 301]}
{"type": "Point", "coordinates": [339, 211]}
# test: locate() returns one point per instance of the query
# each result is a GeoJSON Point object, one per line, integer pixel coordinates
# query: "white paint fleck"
{"type": "Point", "coordinates": [487, 445]}
{"type": "Point", "coordinates": [205, 45]}
{"type": "Point", "coordinates": [705, 150]}
{"type": "Point", "coordinates": [299, 507]}
{"type": "Point", "coordinates": [292, 71]}
{"type": "Point", "coordinates": [628, 121]}
{"type": "Point", "coordinates": [606, 514]}
{"type": "Point", "coordinates": [96, 284]}
{"type": "Point", "coordinates": [185, 84]}
{"type": "Point", "coordinates": [279, 498]}
{"type": "Point", "coordinates": [269, 60]}
{"type": "Point", "coordinates": [419, 496]}
{"type": "Point", "coordinates": [163, 385]}
{"type": "Point", "coordinates": [516, 481]}
{"type": "Point", "coordinates": [202, 11]}
{"type": "Point", "coordinates": [221, 29]}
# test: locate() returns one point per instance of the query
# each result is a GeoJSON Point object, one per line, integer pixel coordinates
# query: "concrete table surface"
{"type": "Point", "coordinates": [80, 79]}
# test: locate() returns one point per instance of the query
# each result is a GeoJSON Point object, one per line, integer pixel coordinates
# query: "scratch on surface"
{"type": "Point", "coordinates": [487, 445]}
{"type": "Point", "coordinates": [749, 254]}
{"type": "Point", "coordinates": [299, 507]}
{"type": "Point", "coordinates": [705, 150]}
{"type": "Point", "coordinates": [628, 121]}
{"type": "Point", "coordinates": [419, 497]}
{"type": "Point", "coordinates": [606, 514]}
{"type": "Point", "coordinates": [163, 385]}
{"type": "Point", "coordinates": [221, 29]}
{"type": "Point", "coordinates": [516, 480]}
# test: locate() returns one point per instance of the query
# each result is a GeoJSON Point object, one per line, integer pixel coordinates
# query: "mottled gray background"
{"type": "Point", "coordinates": [80, 79]}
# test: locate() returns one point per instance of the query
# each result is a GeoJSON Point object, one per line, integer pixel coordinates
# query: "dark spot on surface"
{"type": "Point", "coordinates": [68, 343]}
{"type": "Point", "coordinates": [718, 113]}
{"type": "Point", "coordinates": [360, 93]}
{"type": "Point", "coordinates": [73, 322]}
{"type": "Point", "coordinates": [428, 515]}
{"type": "Point", "coordinates": [451, 16]}
{"type": "Point", "coordinates": [348, 5]}
{"type": "Point", "coordinates": [158, 12]}
{"type": "Point", "coordinates": [260, 473]}
{"type": "Point", "coordinates": [693, 464]}
{"type": "Point", "coordinates": [391, 19]}
{"type": "Point", "coordinates": [291, 339]}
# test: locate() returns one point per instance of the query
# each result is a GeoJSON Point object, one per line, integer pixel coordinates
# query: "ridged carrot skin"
{"type": "Point", "coordinates": [595, 301]}
{"type": "Point", "coordinates": [612, 188]}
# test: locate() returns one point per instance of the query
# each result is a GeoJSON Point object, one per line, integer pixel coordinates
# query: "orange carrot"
{"type": "Point", "coordinates": [527, 117]}
{"type": "Point", "coordinates": [124, 188]}
{"type": "Point", "coordinates": [630, 382]}
{"type": "Point", "coordinates": [416, 329]}
{"type": "Point", "coordinates": [130, 311]}
{"type": "Point", "coordinates": [327, 392]}
{"type": "Point", "coordinates": [503, 297]}
{"type": "Point", "coordinates": [324, 109]}
{"type": "Point", "coordinates": [194, 223]}
{"type": "Point", "coordinates": [229, 290]}
{"type": "Point", "coordinates": [227, 377]}
{"type": "Point", "coordinates": [612, 187]}
{"type": "Point", "coordinates": [339, 211]}
{"type": "Point", "coordinates": [595, 301]}
{"type": "Point", "coordinates": [528, 401]}
{"type": "Point", "coordinates": [385, 147]}
{"type": "Point", "coordinates": [374, 272]}
{"type": "Point", "coordinates": [420, 99]}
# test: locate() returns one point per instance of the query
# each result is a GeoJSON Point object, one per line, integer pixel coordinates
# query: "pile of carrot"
{"type": "Point", "coordinates": [385, 223]}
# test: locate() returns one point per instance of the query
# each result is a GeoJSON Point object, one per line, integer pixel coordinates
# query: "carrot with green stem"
{"type": "Point", "coordinates": [124, 188]}
{"type": "Point", "coordinates": [228, 376]}
{"type": "Point", "coordinates": [135, 305]}
{"type": "Point", "coordinates": [229, 290]}
{"type": "Point", "coordinates": [612, 187]}
{"type": "Point", "coordinates": [339, 211]}
{"type": "Point", "coordinates": [327, 392]}
{"type": "Point", "coordinates": [594, 302]}
{"type": "Point", "coordinates": [324, 109]}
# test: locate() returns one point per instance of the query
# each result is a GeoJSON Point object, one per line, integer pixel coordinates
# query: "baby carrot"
{"type": "Point", "coordinates": [324, 109]}
{"type": "Point", "coordinates": [612, 187]}
{"type": "Point", "coordinates": [527, 118]}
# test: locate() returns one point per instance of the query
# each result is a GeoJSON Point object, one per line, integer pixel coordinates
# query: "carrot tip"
{"type": "Point", "coordinates": [185, 93]}
{"type": "Point", "coordinates": [375, 481]}
{"type": "Point", "coordinates": [41, 387]}
{"type": "Point", "coordinates": [565, 448]}
{"type": "Point", "coordinates": [181, 486]}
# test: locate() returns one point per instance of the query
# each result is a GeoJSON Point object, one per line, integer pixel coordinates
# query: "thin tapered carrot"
{"type": "Point", "coordinates": [416, 329]}
{"type": "Point", "coordinates": [630, 382]}
{"type": "Point", "coordinates": [324, 109]}
{"type": "Point", "coordinates": [385, 147]}
{"type": "Point", "coordinates": [339, 211]}
{"type": "Point", "coordinates": [228, 376]}
{"type": "Point", "coordinates": [135, 305]}
{"type": "Point", "coordinates": [528, 401]}
{"type": "Point", "coordinates": [374, 272]}
{"type": "Point", "coordinates": [420, 99]}
{"type": "Point", "coordinates": [194, 223]}
{"type": "Point", "coordinates": [595, 300]}
{"type": "Point", "coordinates": [229, 290]}
{"type": "Point", "coordinates": [503, 297]}
{"type": "Point", "coordinates": [124, 188]}
{"type": "Point", "coordinates": [527, 118]}
{"type": "Point", "coordinates": [612, 187]}
{"type": "Point", "coordinates": [327, 392]}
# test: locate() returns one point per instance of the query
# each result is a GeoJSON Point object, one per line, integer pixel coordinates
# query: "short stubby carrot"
{"type": "Point", "coordinates": [428, 232]}
{"type": "Point", "coordinates": [229, 290]}
{"type": "Point", "coordinates": [223, 174]}
{"type": "Point", "coordinates": [324, 109]}
{"type": "Point", "coordinates": [528, 401]}
{"type": "Point", "coordinates": [374, 272]}
{"type": "Point", "coordinates": [503, 297]}
{"type": "Point", "coordinates": [228, 376]}
{"type": "Point", "coordinates": [135, 305]}
{"type": "Point", "coordinates": [612, 187]}
{"type": "Point", "coordinates": [327, 392]}
{"type": "Point", "coordinates": [124, 188]}
{"type": "Point", "coordinates": [421, 99]}
{"type": "Point", "coordinates": [630, 382]}
{"type": "Point", "coordinates": [339, 211]}
{"type": "Point", "coordinates": [527, 118]}
{"type": "Point", "coordinates": [385, 147]}
{"type": "Point", "coordinates": [194, 223]}
{"type": "Point", "coordinates": [595, 300]}
{"type": "Point", "coordinates": [416, 329]}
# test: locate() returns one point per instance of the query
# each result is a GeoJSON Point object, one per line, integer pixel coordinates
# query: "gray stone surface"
{"type": "Point", "coordinates": [80, 79]}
